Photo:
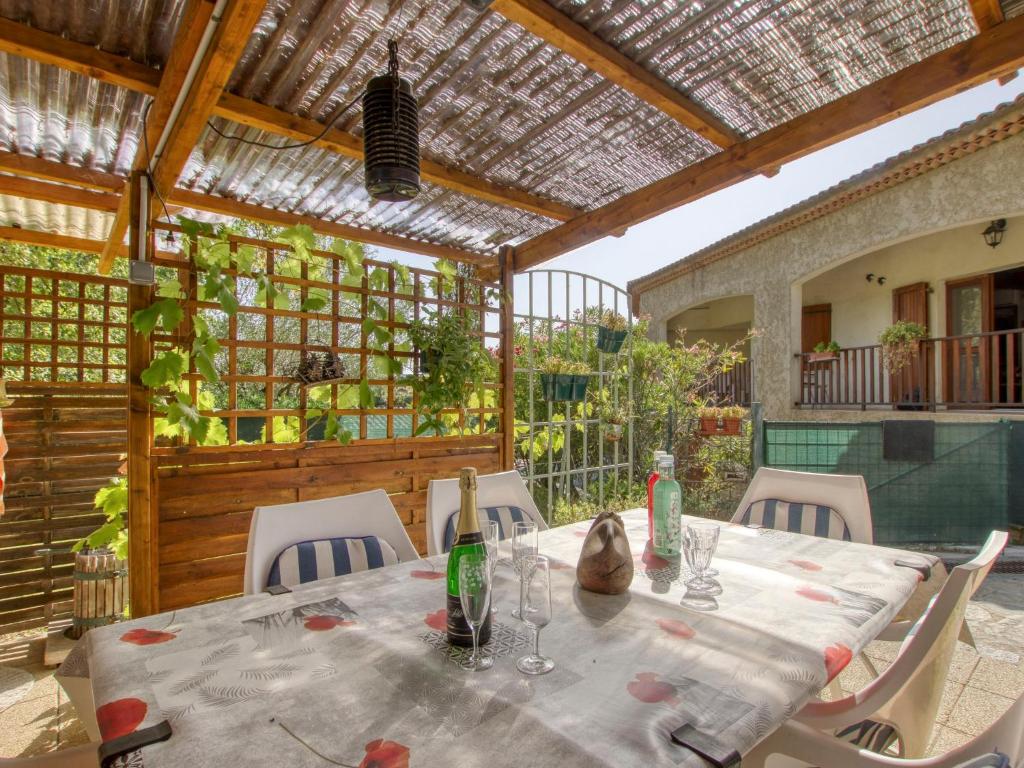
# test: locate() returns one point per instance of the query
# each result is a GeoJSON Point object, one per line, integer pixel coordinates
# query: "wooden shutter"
{"type": "Point", "coordinates": [816, 326]}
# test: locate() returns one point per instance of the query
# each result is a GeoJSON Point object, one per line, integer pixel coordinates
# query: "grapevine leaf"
{"type": "Point", "coordinates": [313, 304]}
{"type": "Point", "coordinates": [365, 395]}
{"type": "Point", "coordinates": [245, 257]}
{"type": "Point", "coordinates": [145, 320]}
{"type": "Point", "coordinates": [181, 412]}
{"type": "Point", "coordinates": [170, 289]}
{"type": "Point", "coordinates": [166, 368]}
{"type": "Point", "coordinates": [204, 352]}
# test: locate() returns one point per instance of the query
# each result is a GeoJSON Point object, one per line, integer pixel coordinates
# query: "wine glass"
{"type": "Point", "coordinates": [475, 597]}
{"type": "Point", "coordinates": [700, 542]}
{"type": "Point", "coordinates": [524, 544]}
{"type": "Point", "coordinates": [492, 535]}
{"type": "Point", "coordinates": [535, 608]}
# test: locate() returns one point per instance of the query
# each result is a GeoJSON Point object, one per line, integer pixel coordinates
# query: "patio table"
{"type": "Point", "coordinates": [356, 668]}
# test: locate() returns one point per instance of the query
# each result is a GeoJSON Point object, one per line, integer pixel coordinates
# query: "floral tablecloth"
{"type": "Point", "coordinates": [355, 669]}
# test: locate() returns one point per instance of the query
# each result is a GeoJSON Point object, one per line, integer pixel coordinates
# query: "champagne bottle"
{"type": "Point", "coordinates": [468, 540]}
{"type": "Point", "coordinates": [668, 499]}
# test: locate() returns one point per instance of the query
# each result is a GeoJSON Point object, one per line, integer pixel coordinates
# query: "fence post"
{"type": "Point", "coordinates": [756, 436]}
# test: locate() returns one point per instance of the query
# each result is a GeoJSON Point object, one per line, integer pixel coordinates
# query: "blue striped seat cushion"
{"type": "Point", "coordinates": [811, 519]}
{"type": "Point", "coordinates": [323, 558]}
{"type": "Point", "coordinates": [505, 517]}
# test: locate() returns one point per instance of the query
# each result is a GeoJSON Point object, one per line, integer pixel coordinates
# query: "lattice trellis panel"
{"type": "Point", "coordinates": [258, 398]}
{"type": "Point", "coordinates": [62, 327]}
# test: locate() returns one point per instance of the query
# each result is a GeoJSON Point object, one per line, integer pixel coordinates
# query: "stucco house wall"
{"type": "Point", "coordinates": [970, 191]}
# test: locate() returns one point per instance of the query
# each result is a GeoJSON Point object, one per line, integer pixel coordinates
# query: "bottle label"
{"type": "Point", "coordinates": [668, 527]}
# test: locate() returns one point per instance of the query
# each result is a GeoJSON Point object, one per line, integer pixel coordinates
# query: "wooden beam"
{"type": "Point", "coordinates": [50, 240]}
{"type": "Point", "coordinates": [555, 28]}
{"type": "Point", "coordinates": [23, 40]}
{"type": "Point", "coordinates": [990, 55]}
{"type": "Point", "coordinates": [58, 194]}
{"type": "Point", "coordinates": [238, 209]}
{"type": "Point", "coordinates": [255, 115]}
{"type": "Point", "coordinates": [46, 170]}
{"type": "Point", "coordinates": [232, 33]}
{"type": "Point", "coordinates": [51, 49]}
{"type": "Point", "coordinates": [184, 49]}
{"type": "Point", "coordinates": [508, 377]}
{"type": "Point", "coordinates": [38, 168]}
{"type": "Point", "coordinates": [987, 13]}
{"type": "Point", "coordinates": [143, 524]}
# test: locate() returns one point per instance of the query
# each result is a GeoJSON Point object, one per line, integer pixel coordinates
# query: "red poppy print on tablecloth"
{"type": "Point", "coordinates": [437, 620]}
{"type": "Point", "coordinates": [817, 595]}
{"type": "Point", "coordinates": [805, 565]}
{"type": "Point", "coordinates": [385, 754]}
{"type": "Point", "coordinates": [650, 690]}
{"type": "Point", "coordinates": [677, 628]}
{"type": "Point", "coordinates": [428, 575]}
{"type": "Point", "coordinates": [147, 637]}
{"type": "Point", "coordinates": [121, 717]}
{"type": "Point", "coordinates": [836, 658]}
{"type": "Point", "coordinates": [324, 623]}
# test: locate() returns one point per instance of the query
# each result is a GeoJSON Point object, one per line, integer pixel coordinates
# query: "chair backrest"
{"type": "Point", "coordinates": [502, 489]}
{"type": "Point", "coordinates": [362, 514]}
{"type": "Point", "coordinates": [908, 692]}
{"type": "Point", "coordinates": [847, 495]}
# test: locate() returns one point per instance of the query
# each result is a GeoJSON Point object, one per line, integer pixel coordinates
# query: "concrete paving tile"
{"type": "Point", "coordinates": [950, 695]}
{"type": "Point", "coordinates": [976, 710]}
{"type": "Point", "coordinates": [998, 677]}
{"type": "Point", "coordinates": [965, 659]}
{"type": "Point", "coordinates": [945, 739]}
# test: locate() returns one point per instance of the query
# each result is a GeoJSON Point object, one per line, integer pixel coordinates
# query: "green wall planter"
{"type": "Point", "coordinates": [610, 341]}
{"type": "Point", "coordinates": [579, 388]}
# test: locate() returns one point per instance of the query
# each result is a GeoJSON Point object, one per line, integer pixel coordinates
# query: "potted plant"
{"type": "Point", "coordinates": [580, 373]}
{"type": "Point", "coordinates": [456, 364]}
{"type": "Point", "coordinates": [555, 379]}
{"type": "Point", "coordinates": [613, 422]}
{"type": "Point", "coordinates": [611, 333]}
{"type": "Point", "coordinates": [725, 420]}
{"type": "Point", "coordinates": [824, 353]}
{"type": "Point", "coordinates": [900, 343]}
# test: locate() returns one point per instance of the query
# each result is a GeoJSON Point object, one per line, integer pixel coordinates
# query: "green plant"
{"type": "Point", "coordinates": [832, 347]}
{"type": "Point", "coordinates": [458, 371]}
{"type": "Point", "coordinates": [112, 500]}
{"type": "Point", "coordinates": [723, 412]}
{"type": "Point", "coordinates": [576, 369]}
{"type": "Point", "coordinates": [553, 365]}
{"type": "Point", "coordinates": [899, 344]}
{"type": "Point", "coordinates": [613, 321]}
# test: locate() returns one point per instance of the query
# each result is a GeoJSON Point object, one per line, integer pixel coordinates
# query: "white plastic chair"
{"type": "Point", "coordinates": [502, 489]}
{"type": "Point", "coordinates": [362, 514]}
{"type": "Point", "coordinates": [907, 694]}
{"type": "Point", "coordinates": [846, 494]}
{"type": "Point", "coordinates": [807, 746]}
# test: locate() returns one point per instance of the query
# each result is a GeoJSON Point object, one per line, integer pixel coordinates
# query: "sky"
{"type": "Point", "coordinates": [677, 233]}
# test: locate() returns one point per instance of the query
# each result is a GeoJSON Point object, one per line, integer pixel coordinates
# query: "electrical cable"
{"type": "Point", "coordinates": [267, 145]}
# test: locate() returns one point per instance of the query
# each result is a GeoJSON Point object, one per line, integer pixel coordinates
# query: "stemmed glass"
{"type": "Point", "coordinates": [701, 540]}
{"type": "Point", "coordinates": [475, 596]}
{"type": "Point", "coordinates": [524, 544]}
{"type": "Point", "coordinates": [492, 535]}
{"type": "Point", "coordinates": [535, 607]}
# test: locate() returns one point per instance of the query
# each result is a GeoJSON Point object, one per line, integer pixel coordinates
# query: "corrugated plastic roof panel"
{"type": "Point", "coordinates": [48, 217]}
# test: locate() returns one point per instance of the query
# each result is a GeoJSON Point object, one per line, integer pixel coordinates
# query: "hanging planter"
{"type": "Point", "coordinates": [580, 375]}
{"type": "Point", "coordinates": [613, 432]}
{"type": "Point", "coordinates": [316, 369]}
{"type": "Point", "coordinates": [900, 344]}
{"type": "Point", "coordinates": [429, 360]}
{"type": "Point", "coordinates": [721, 421]}
{"type": "Point", "coordinates": [561, 380]}
{"type": "Point", "coordinates": [611, 334]}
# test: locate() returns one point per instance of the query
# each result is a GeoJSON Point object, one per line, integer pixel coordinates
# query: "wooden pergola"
{"type": "Point", "coordinates": [545, 125]}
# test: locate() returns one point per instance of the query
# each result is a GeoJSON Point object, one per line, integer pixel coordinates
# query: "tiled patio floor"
{"type": "Point", "coordinates": [982, 685]}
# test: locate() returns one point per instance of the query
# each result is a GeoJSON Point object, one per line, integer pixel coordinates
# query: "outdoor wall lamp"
{"type": "Point", "coordinates": [871, 277]}
{"type": "Point", "coordinates": [993, 233]}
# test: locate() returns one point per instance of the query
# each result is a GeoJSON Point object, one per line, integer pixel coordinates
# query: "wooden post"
{"type": "Point", "coordinates": [508, 378]}
{"type": "Point", "coordinates": [142, 530]}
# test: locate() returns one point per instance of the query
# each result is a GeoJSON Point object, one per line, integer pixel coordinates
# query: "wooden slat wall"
{"type": "Point", "coordinates": [67, 440]}
{"type": "Point", "coordinates": [205, 497]}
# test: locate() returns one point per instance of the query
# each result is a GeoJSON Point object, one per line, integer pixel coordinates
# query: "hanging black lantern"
{"type": "Point", "coordinates": [993, 233]}
{"type": "Point", "coordinates": [391, 149]}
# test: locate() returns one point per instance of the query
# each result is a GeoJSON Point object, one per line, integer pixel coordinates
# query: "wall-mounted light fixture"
{"type": "Point", "coordinates": [993, 233]}
{"type": "Point", "coordinates": [871, 277]}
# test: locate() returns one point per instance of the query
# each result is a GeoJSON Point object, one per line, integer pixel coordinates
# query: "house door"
{"type": "Point", "coordinates": [966, 356]}
{"type": "Point", "coordinates": [915, 383]}
{"type": "Point", "coordinates": [815, 326]}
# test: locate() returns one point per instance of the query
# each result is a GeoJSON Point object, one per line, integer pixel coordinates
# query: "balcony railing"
{"type": "Point", "coordinates": [735, 386]}
{"type": "Point", "coordinates": [981, 370]}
